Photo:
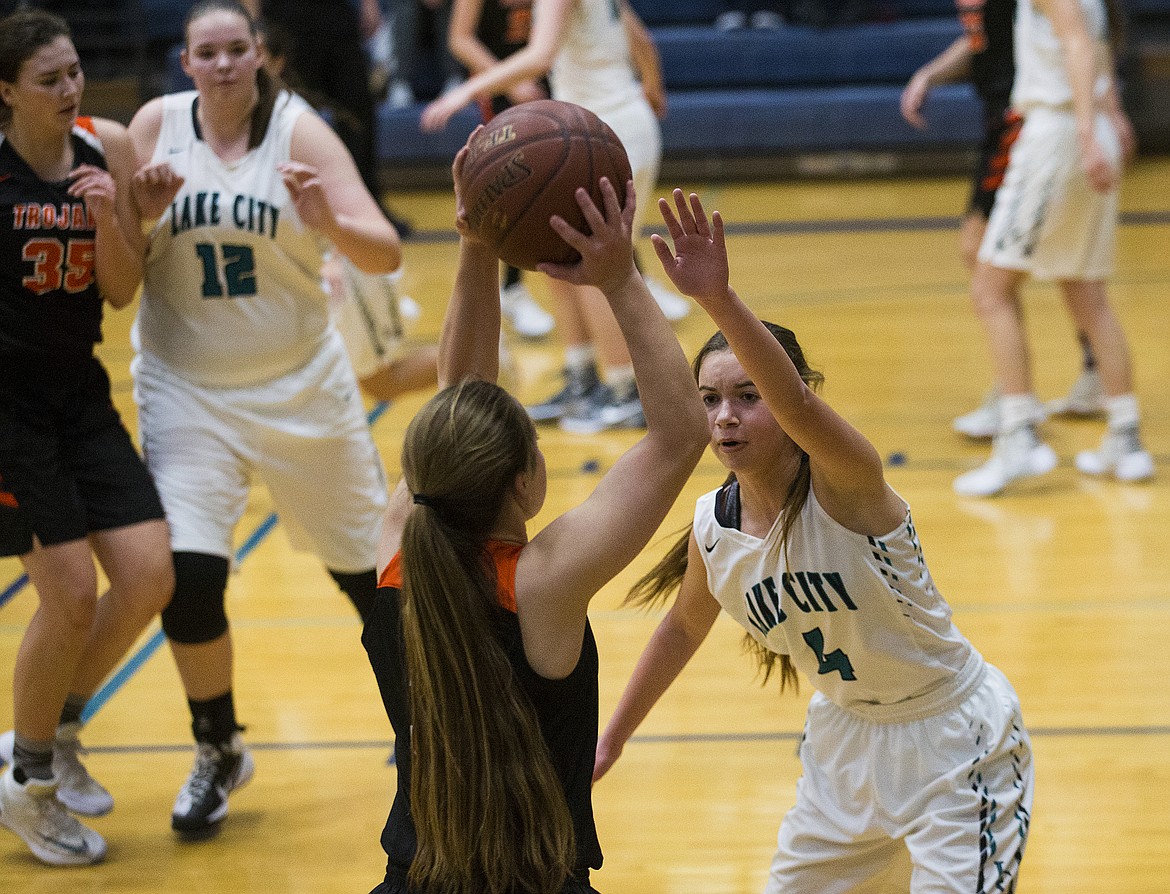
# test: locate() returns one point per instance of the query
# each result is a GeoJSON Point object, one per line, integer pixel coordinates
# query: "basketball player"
{"type": "Point", "coordinates": [984, 54]}
{"type": "Point", "coordinates": [480, 638]}
{"type": "Point", "coordinates": [1056, 217]}
{"type": "Point", "coordinates": [239, 371]}
{"type": "Point", "coordinates": [72, 486]}
{"type": "Point", "coordinates": [913, 742]}
{"type": "Point", "coordinates": [599, 55]}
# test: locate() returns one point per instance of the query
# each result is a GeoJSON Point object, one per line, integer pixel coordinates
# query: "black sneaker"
{"type": "Point", "coordinates": [203, 799]}
{"type": "Point", "coordinates": [605, 408]}
{"type": "Point", "coordinates": [579, 387]}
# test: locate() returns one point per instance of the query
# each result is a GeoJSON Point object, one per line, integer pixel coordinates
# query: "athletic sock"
{"type": "Point", "coordinates": [214, 720]}
{"type": "Point", "coordinates": [31, 759]}
{"type": "Point", "coordinates": [1122, 411]}
{"type": "Point", "coordinates": [71, 712]}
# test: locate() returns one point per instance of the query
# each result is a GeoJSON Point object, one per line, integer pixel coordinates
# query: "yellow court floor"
{"type": "Point", "coordinates": [1062, 583]}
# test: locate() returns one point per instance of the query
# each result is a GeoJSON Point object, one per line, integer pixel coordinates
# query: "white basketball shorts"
{"type": "Point", "coordinates": [304, 435]}
{"type": "Point", "coordinates": [953, 790]}
{"type": "Point", "coordinates": [1047, 219]}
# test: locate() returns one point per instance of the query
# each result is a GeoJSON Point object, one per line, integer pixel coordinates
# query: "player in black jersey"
{"type": "Point", "coordinates": [72, 485]}
{"type": "Point", "coordinates": [479, 637]}
{"type": "Point", "coordinates": [984, 54]}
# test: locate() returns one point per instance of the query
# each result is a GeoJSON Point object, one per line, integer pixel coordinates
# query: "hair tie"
{"type": "Point", "coordinates": [423, 500]}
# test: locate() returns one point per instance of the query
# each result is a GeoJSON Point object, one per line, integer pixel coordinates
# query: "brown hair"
{"type": "Point", "coordinates": [268, 87]}
{"type": "Point", "coordinates": [21, 35]}
{"type": "Point", "coordinates": [665, 577]}
{"type": "Point", "coordinates": [487, 805]}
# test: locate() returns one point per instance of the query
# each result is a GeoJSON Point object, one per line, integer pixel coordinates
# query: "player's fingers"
{"type": "Point", "coordinates": [718, 235]}
{"type": "Point", "coordinates": [613, 208]}
{"type": "Point", "coordinates": [672, 224]}
{"type": "Point", "coordinates": [575, 238]}
{"type": "Point", "coordinates": [662, 250]}
{"type": "Point", "coordinates": [685, 218]}
{"type": "Point", "coordinates": [593, 216]}
{"type": "Point", "coordinates": [629, 210]}
{"type": "Point", "coordinates": [700, 216]}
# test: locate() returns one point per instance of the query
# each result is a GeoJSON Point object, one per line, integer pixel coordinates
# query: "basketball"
{"type": "Point", "coordinates": [526, 165]}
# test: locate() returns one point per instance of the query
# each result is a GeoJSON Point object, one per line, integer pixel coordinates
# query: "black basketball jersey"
{"type": "Point", "coordinates": [504, 25]}
{"type": "Point", "coordinates": [988, 24]}
{"type": "Point", "coordinates": [565, 709]}
{"type": "Point", "coordinates": [49, 298]}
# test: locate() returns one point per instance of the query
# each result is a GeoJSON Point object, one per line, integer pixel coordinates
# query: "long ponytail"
{"type": "Point", "coordinates": [488, 808]}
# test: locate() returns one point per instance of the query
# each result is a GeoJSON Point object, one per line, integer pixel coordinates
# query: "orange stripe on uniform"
{"type": "Point", "coordinates": [504, 556]}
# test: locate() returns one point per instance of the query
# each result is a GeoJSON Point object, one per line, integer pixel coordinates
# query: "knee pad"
{"type": "Point", "coordinates": [196, 612]}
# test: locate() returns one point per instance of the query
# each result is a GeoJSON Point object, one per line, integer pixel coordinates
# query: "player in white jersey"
{"type": "Point", "coordinates": [1055, 217]}
{"type": "Point", "coordinates": [599, 55]}
{"type": "Point", "coordinates": [239, 370]}
{"type": "Point", "coordinates": [913, 743]}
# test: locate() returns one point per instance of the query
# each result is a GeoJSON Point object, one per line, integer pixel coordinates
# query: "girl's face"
{"type": "Point", "coordinates": [745, 436]}
{"type": "Point", "coordinates": [221, 56]}
{"type": "Point", "coordinates": [47, 89]}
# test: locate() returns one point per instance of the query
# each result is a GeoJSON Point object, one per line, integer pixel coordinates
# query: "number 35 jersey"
{"type": "Point", "coordinates": [232, 290]}
{"type": "Point", "coordinates": [49, 300]}
{"type": "Point", "coordinates": [859, 616]}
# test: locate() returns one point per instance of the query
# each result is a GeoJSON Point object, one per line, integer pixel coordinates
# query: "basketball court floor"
{"type": "Point", "coordinates": [1062, 583]}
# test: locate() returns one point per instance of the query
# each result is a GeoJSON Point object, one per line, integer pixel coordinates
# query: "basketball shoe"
{"type": "Point", "coordinates": [983, 421]}
{"type": "Point", "coordinates": [1085, 398]}
{"type": "Point", "coordinates": [1120, 454]}
{"type": "Point", "coordinates": [528, 318]}
{"type": "Point", "coordinates": [1014, 455]}
{"type": "Point", "coordinates": [579, 387]}
{"type": "Point", "coordinates": [76, 789]}
{"type": "Point", "coordinates": [606, 408]}
{"type": "Point", "coordinates": [203, 800]}
{"type": "Point", "coordinates": [32, 811]}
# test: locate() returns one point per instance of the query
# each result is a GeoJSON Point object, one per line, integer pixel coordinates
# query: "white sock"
{"type": "Point", "coordinates": [579, 358]}
{"type": "Point", "coordinates": [1122, 410]}
{"type": "Point", "coordinates": [1016, 410]}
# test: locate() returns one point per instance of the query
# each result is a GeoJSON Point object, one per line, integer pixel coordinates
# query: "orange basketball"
{"type": "Point", "coordinates": [526, 166]}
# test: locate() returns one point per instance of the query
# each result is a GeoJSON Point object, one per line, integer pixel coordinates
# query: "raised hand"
{"type": "Point", "coordinates": [607, 252]}
{"type": "Point", "coordinates": [304, 186]}
{"type": "Point", "coordinates": [96, 186]}
{"type": "Point", "coordinates": [154, 187]}
{"type": "Point", "coordinates": [462, 227]}
{"type": "Point", "coordinates": [698, 265]}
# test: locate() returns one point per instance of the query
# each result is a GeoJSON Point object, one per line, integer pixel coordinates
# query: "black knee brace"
{"type": "Point", "coordinates": [360, 588]}
{"type": "Point", "coordinates": [196, 613]}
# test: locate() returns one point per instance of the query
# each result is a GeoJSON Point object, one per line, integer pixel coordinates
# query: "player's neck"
{"type": "Point", "coordinates": [48, 153]}
{"type": "Point", "coordinates": [226, 128]}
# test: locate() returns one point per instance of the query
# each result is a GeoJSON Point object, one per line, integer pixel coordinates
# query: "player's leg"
{"type": "Point", "coordinates": [580, 379]}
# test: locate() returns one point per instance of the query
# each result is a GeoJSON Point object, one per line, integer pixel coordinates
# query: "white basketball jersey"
{"type": "Point", "coordinates": [232, 294]}
{"type": "Point", "coordinates": [1041, 78]}
{"type": "Point", "coordinates": [593, 68]}
{"type": "Point", "coordinates": [859, 616]}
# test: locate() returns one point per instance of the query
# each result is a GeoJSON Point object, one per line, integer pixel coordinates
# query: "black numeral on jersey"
{"type": "Point", "coordinates": [230, 271]}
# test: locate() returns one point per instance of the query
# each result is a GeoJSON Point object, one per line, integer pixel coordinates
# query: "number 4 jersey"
{"type": "Point", "coordinates": [49, 300]}
{"type": "Point", "coordinates": [859, 616]}
{"type": "Point", "coordinates": [232, 294]}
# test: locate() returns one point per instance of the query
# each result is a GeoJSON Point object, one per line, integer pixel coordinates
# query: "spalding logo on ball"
{"type": "Point", "coordinates": [526, 166]}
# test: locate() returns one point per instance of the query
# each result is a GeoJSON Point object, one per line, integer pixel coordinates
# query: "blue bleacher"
{"type": "Point", "coordinates": [754, 94]}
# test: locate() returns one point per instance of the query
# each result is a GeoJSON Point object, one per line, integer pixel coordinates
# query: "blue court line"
{"type": "Point", "coordinates": [122, 675]}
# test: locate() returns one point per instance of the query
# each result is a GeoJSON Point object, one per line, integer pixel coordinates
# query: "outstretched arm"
{"type": "Point", "coordinates": [846, 469]}
{"type": "Point", "coordinates": [533, 61]}
{"type": "Point", "coordinates": [577, 553]}
{"type": "Point", "coordinates": [672, 646]}
{"type": "Point", "coordinates": [952, 64]}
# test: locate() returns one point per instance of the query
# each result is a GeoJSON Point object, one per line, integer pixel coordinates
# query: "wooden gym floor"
{"type": "Point", "coordinates": [1062, 583]}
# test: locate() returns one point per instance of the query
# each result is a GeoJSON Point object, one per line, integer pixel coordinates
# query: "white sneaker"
{"type": "Point", "coordinates": [33, 812]}
{"type": "Point", "coordinates": [674, 306]}
{"type": "Point", "coordinates": [399, 95]}
{"type": "Point", "coordinates": [528, 318]}
{"type": "Point", "coordinates": [1014, 455]}
{"type": "Point", "coordinates": [1121, 455]}
{"type": "Point", "coordinates": [1085, 398]}
{"type": "Point", "coordinates": [76, 789]}
{"type": "Point", "coordinates": [731, 20]}
{"type": "Point", "coordinates": [983, 421]}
